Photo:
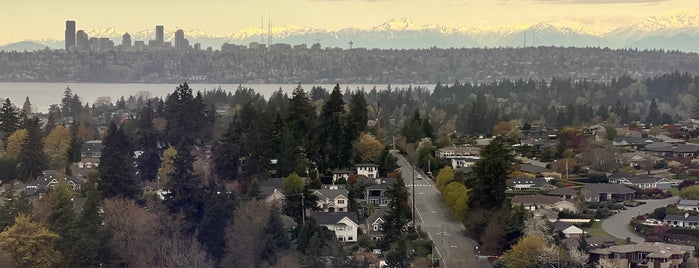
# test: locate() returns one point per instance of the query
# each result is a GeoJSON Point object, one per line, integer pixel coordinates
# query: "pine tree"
{"type": "Point", "coordinates": [227, 152]}
{"type": "Point", "coordinates": [218, 214]}
{"type": "Point", "coordinates": [185, 194]}
{"type": "Point", "coordinates": [275, 237]}
{"type": "Point", "coordinates": [398, 214]}
{"type": "Point", "coordinates": [13, 207]}
{"type": "Point", "coordinates": [358, 113]}
{"type": "Point", "coordinates": [62, 220]}
{"type": "Point", "coordinates": [653, 114]}
{"type": "Point", "coordinates": [331, 137]}
{"type": "Point", "coordinates": [9, 118]}
{"type": "Point", "coordinates": [116, 170]}
{"type": "Point", "coordinates": [147, 142]}
{"type": "Point", "coordinates": [31, 160]}
{"type": "Point", "coordinates": [301, 120]}
{"type": "Point", "coordinates": [185, 116]}
{"type": "Point", "coordinates": [489, 175]}
{"type": "Point", "coordinates": [27, 107]}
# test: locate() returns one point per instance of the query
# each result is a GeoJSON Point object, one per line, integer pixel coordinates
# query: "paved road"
{"type": "Point", "coordinates": [618, 224]}
{"type": "Point", "coordinates": [435, 218]}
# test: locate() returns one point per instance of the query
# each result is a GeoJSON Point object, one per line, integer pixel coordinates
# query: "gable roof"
{"type": "Point", "coordinates": [688, 202]}
{"type": "Point", "coordinates": [91, 146]}
{"type": "Point", "coordinates": [268, 186]}
{"type": "Point", "coordinates": [334, 217]}
{"type": "Point", "coordinates": [674, 217]}
{"type": "Point", "coordinates": [366, 165]}
{"type": "Point", "coordinates": [640, 178]}
{"type": "Point", "coordinates": [532, 168]}
{"type": "Point", "coordinates": [332, 191]}
{"type": "Point", "coordinates": [675, 148]}
{"type": "Point", "coordinates": [535, 199]}
{"type": "Point", "coordinates": [536, 182]}
{"type": "Point", "coordinates": [378, 214]}
{"type": "Point", "coordinates": [606, 188]}
{"type": "Point", "coordinates": [563, 192]}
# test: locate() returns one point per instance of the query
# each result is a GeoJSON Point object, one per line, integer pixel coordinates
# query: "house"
{"type": "Point", "coordinates": [375, 195]}
{"type": "Point", "coordinates": [370, 171]}
{"type": "Point", "coordinates": [520, 184]}
{"type": "Point", "coordinates": [463, 161]}
{"type": "Point", "coordinates": [49, 179]}
{"type": "Point", "coordinates": [532, 169]}
{"type": "Point", "coordinates": [633, 142]}
{"type": "Point", "coordinates": [641, 181]}
{"type": "Point", "coordinates": [601, 192]}
{"type": "Point", "coordinates": [672, 150]}
{"type": "Point", "coordinates": [637, 159]}
{"type": "Point", "coordinates": [646, 254]}
{"type": "Point", "coordinates": [568, 230]}
{"type": "Point", "coordinates": [688, 204]}
{"type": "Point", "coordinates": [332, 198]}
{"type": "Point", "coordinates": [90, 154]}
{"type": "Point", "coordinates": [686, 221]}
{"type": "Point", "coordinates": [457, 150]}
{"type": "Point", "coordinates": [534, 202]}
{"type": "Point", "coordinates": [271, 191]}
{"type": "Point", "coordinates": [374, 224]}
{"type": "Point", "coordinates": [563, 193]}
{"type": "Point", "coordinates": [341, 174]}
{"type": "Point", "coordinates": [343, 224]}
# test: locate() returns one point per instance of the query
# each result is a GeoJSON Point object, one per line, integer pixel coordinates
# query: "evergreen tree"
{"type": "Point", "coordinates": [489, 175]}
{"type": "Point", "coordinates": [412, 128]}
{"type": "Point", "coordinates": [653, 114]}
{"type": "Point", "coordinates": [227, 152]}
{"type": "Point", "coordinates": [218, 214]}
{"type": "Point", "coordinates": [398, 214]}
{"type": "Point", "coordinates": [147, 142]}
{"type": "Point", "coordinates": [185, 194]}
{"type": "Point", "coordinates": [89, 239]}
{"type": "Point", "coordinates": [286, 163]}
{"type": "Point", "coordinates": [331, 137]}
{"type": "Point", "coordinates": [358, 112]}
{"type": "Point", "coordinates": [9, 118]}
{"type": "Point", "coordinates": [66, 102]}
{"type": "Point", "coordinates": [15, 204]}
{"type": "Point", "coordinates": [27, 107]}
{"type": "Point", "coordinates": [387, 162]}
{"type": "Point", "coordinates": [301, 120]}
{"type": "Point", "coordinates": [185, 116]}
{"type": "Point", "coordinates": [62, 220]}
{"type": "Point", "coordinates": [31, 160]}
{"type": "Point", "coordinates": [276, 239]}
{"type": "Point", "coordinates": [116, 170]}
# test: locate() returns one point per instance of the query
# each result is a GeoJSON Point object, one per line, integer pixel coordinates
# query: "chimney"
{"type": "Point", "coordinates": [686, 215]}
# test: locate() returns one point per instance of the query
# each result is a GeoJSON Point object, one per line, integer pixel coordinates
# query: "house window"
{"type": "Point", "coordinates": [341, 202]}
{"type": "Point", "coordinates": [376, 227]}
{"type": "Point", "coordinates": [350, 238]}
{"type": "Point", "coordinates": [340, 228]}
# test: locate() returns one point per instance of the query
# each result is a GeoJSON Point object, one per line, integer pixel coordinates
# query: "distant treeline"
{"type": "Point", "coordinates": [325, 66]}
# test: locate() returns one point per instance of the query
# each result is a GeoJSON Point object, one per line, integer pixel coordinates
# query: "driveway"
{"type": "Point", "coordinates": [435, 218]}
{"type": "Point", "coordinates": [618, 224]}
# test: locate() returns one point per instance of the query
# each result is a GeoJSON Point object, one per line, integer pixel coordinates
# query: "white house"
{"type": "Point", "coordinates": [343, 224]}
{"type": "Point", "coordinates": [688, 204]}
{"type": "Point", "coordinates": [371, 171]}
{"type": "Point", "coordinates": [332, 198]}
{"type": "Point", "coordinates": [686, 221]}
{"type": "Point", "coordinates": [641, 181]}
{"type": "Point", "coordinates": [341, 174]}
{"type": "Point", "coordinates": [568, 230]}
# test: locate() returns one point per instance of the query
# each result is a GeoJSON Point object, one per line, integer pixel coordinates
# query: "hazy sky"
{"type": "Point", "coordinates": [40, 19]}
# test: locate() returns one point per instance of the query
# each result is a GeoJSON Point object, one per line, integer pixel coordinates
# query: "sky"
{"type": "Point", "coordinates": [41, 19]}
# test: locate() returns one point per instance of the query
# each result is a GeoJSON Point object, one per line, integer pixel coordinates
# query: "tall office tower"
{"type": "Point", "coordinates": [179, 40]}
{"type": "Point", "coordinates": [126, 40]}
{"type": "Point", "coordinates": [70, 34]}
{"type": "Point", "coordinates": [159, 34]}
{"type": "Point", "coordinates": [81, 40]}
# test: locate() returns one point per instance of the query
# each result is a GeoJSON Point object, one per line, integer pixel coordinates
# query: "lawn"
{"type": "Point", "coordinates": [596, 230]}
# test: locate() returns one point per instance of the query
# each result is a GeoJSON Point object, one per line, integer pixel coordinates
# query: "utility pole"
{"type": "Point", "coordinates": [413, 168]}
{"type": "Point", "coordinates": [303, 211]}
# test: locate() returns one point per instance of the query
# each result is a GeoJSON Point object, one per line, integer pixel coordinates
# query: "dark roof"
{"type": "Point", "coordinates": [267, 186]}
{"type": "Point", "coordinates": [673, 217]}
{"type": "Point", "coordinates": [537, 182]}
{"type": "Point", "coordinates": [378, 213]}
{"type": "Point", "coordinates": [688, 202]}
{"type": "Point", "coordinates": [599, 188]}
{"type": "Point", "coordinates": [563, 192]}
{"type": "Point", "coordinates": [643, 179]}
{"type": "Point", "coordinates": [532, 168]}
{"type": "Point", "coordinates": [92, 146]}
{"type": "Point", "coordinates": [332, 191]}
{"type": "Point", "coordinates": [631, 140]}
{"type": "Point", "coordinates": [366, 165]}
{"type": "Point", "coordinates": [676, 148]}
{"type": "Point", "coordinates": [535, 199]}
{"type": "Point", "coordinates": [342, 171]}
{"type": "Point", "coordinates": [334, 217]}
{"type": "Point", "coordinates": [560, 226]}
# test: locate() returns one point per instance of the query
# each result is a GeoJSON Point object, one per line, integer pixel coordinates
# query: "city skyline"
{"type": "Point", "coordinates": [222, 17]}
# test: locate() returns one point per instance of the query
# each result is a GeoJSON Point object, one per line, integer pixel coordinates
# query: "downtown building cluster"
{"type": "Point", "coordinates": [80, 41]}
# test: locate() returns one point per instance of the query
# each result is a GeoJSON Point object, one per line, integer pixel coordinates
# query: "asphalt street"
{"type": "Point", "coordinates": [618, 224]}
{"type": "Point", "coordinates": [435, 218]}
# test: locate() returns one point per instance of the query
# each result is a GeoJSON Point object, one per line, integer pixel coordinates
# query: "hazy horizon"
{"type": "Point", "coordinates": [222, 17]}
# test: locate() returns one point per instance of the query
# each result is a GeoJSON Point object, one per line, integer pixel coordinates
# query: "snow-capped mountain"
{"type": "Point", "coordinates": [676, 32]}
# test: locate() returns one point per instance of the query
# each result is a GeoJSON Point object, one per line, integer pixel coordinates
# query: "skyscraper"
{"type": "Point", "coordinates": [180, 42]}
{"type": "Point", "coordinates": [126, 40]}
{"type": "Point", "coordinates": [159, 34]}
{"type": "Point", "coordinates": [81, 40]}
{"type": "Point", "coordinates": [70, 34]}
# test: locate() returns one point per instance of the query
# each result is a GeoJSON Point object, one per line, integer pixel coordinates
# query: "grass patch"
{"type": "Point", "coordinates": [675, 191]}
{"type": "Point", "coordinates": [596, 230]}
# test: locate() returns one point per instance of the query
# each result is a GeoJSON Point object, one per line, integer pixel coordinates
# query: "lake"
{"type": "Point", "coordinates": [42, 95]}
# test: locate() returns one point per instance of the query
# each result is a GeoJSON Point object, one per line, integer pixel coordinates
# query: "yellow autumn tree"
{"type": "Point", "coordinates": [444, 176]}
{"type": "Point", "coordinates": [15, 142]}
{"type": "Point", "coordinates": [30, 244]}
{"type": "Point", "coordinates": [56, 146]}
{"type": "Point", "coordinates": [367, 149]}
{"type": "Point", "coordinates": [525, 253]}
{"type": "Point", "coordinates": [166, 165]}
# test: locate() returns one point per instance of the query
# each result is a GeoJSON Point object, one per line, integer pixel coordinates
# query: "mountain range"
{"type": "Point", "coordinates": [676, 32]}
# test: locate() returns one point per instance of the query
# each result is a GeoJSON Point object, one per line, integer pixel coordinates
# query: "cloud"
{"type": "Point", "coordinates": [580, 2]}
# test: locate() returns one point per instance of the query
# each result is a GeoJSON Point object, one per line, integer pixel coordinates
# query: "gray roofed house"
{"type": "Point", "coordinates": [368, 170]}
{"type": "Point", "coordinates": [686, 221]}
{"type": "Point", "coordinates": [518, 184]}
{"type": "Point", "coordinates": [634, 142]}
{"type": "Point", "coordinates": [534, 202]}
{"type": "Point", "coordinates": [688, 204]}
{"type": "Point", "coordinates": [375, 223]}
{"type": "Point", "coordinates": [529, 168]}
{"type": "Point", "coordinates": [646, 254]}
{"type": "Point", "coordinates": [91, 148]}
{"type": "Point", "coordinates": [641, 181]}
{"type": "Point", "coordinates": [568, 230]}
{"type": "Point", "coordinates": [343, 224]}
{"type": "Point", "coordinates": [375, 195]}
{"type": "Point", "coordinates": [565, 193]}
{"type": "Point", "coordinates": [50, 179]}
{"type": "Point", "coordinates": [341, 173]}
{"type": "Point", "coordinates": [271, 190]}
{"type": "Point", "coordinates": [600, 192]}
{"type": "Point", "coordinates": [664, 149]}
{"type": "Point", "coordinates": [332, 198]}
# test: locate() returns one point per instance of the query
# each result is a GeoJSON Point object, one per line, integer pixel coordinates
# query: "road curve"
{"type": "Point", "coordinates": [618, 224]}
